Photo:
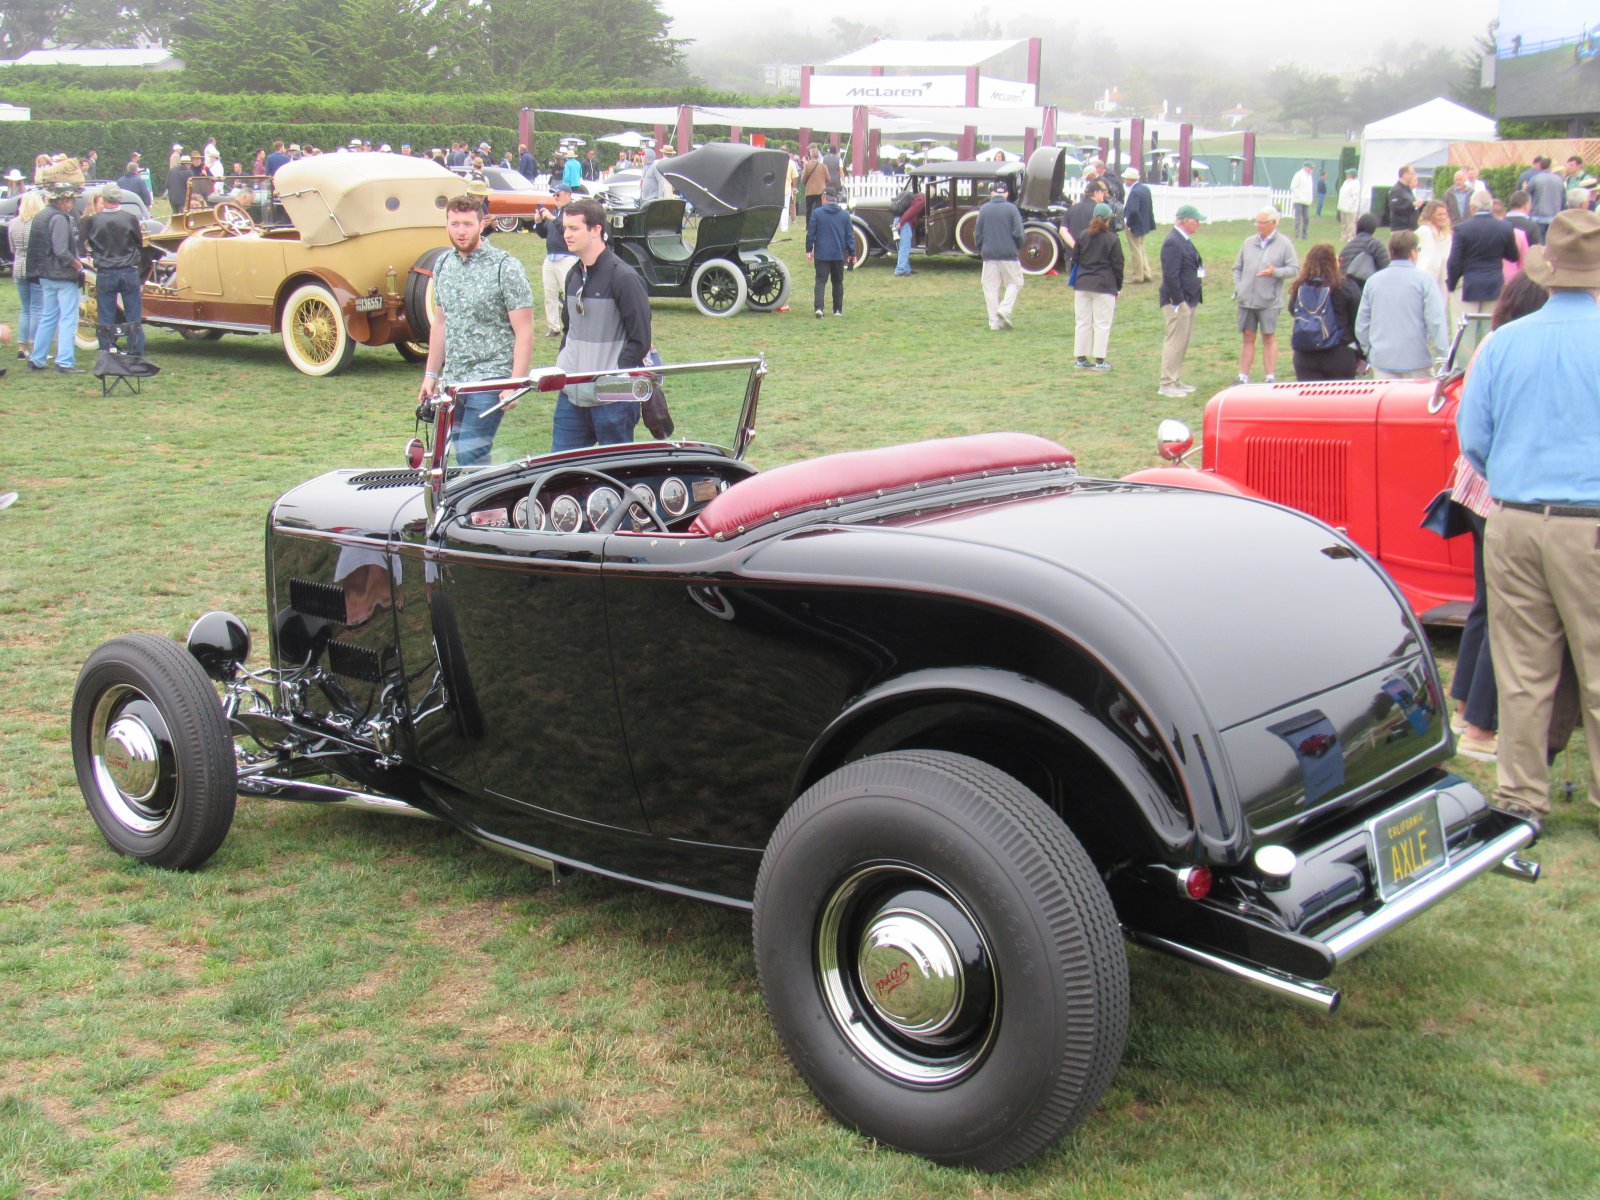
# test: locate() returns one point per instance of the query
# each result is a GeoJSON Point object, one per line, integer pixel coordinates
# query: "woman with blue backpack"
{"type": "Point", "coordinates": [1322, 305]}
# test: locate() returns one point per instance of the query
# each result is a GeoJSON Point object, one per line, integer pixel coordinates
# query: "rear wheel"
{"type": "Point", "coordinates": [718, 288]}
{"type": "Point", "coordinates": [769, 286]}
{"type": "Point", "coordinates": [508, 224]}
{"type": "Point", "coordinates": [419, 294]}
{"type": "Point", "coordinates": [315, 338]}
{"type": "Point", "coordinates": [941, 959]}
{"type": "Point", "coordinates": [152, 752]}
{"type": "Point", "coordinates": [1041, 250]}
{"type": "Point", "coordinates": [967, 233]}
{"type": "Point", "coordinates": [413, 352]}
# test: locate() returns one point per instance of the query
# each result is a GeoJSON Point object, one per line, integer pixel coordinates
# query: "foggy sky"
{"type": "Point", "coordinates": [1340, 30]}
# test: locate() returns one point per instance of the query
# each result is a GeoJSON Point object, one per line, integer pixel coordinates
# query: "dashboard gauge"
{"type": "Point", "coordinates": [528, 514]}
{"type": "Point", "coordinates": [705, 489]}
{"type": "Point", "coordinates": [601, 504]}
{"type": "Point", "coordinates": [566, 514]}
{"type": "Point", "coordinates": [643, 494]}
{"type": "Point", "coordinates": [489, 518]}
{"type": "Point", "coordinates": [674, 496]}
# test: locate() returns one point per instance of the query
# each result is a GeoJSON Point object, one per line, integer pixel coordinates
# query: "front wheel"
{"type": "Point", "coordinates": [1041, 250]}
{"type": "Point", "coordinates": [86, 336]}
{"type": "Point", "coordinates": [941, 959]}
{"type": "Point", "coordinates": [858, 247]}
{"type": "Point", "coordinates": [507, 224]}
{"type": "Point", "coordinates": [152, 751]}
{"type": "Point", "coordinates": [315, 338]}
{"type": "Point", "coordinates": [718, 288]}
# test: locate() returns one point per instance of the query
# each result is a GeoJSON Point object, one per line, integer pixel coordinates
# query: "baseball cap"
{"type": "Point", "coordinates": [110, 192]}
{"type": "Point", "coordinates": [1103, 210]}
{"type": "Point", "coordinates": [483, 145]}
{"type": "Point", "coordinates": [1189, 213]}
{"type": "Point", "coordinates": [60, 189]}
{"type": "Point", "coordinates": [134, 154]}
{"type": "Point", "coordinates": [560, 186]}
{"type": "Point", "coordinates": [403, 146]}
{"type": "Point", "coordinates": [999, 188]}
{"type": "Point", "coordinates": [177, 145]}
{"type": "Point", "coordinates": [1349, 170]}
{"type": "Point", "coordinates": [384, 148]}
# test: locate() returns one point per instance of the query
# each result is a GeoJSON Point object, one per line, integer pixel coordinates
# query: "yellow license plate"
{"type": "Point", "coordinates": [1408, 844]}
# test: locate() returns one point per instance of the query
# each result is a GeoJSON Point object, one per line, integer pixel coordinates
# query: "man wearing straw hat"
{"type": "Point", "coordinates": [1530, 423]}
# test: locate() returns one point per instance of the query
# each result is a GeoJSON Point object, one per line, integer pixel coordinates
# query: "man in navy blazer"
{"type": "Point", "coordinates": [1181, 273]}
{"type": "Point", "coordinates": [1139, 214]}
{"type": "Point", "coordinates": [1481, 244]}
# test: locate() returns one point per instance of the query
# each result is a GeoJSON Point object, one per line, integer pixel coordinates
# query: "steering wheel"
{"type": "Point", "coordinates": [624, 507]}
{"type": "Point", "coordinates": [232, 217]}
{"type": "Point", "coordinates": [1440, 387]}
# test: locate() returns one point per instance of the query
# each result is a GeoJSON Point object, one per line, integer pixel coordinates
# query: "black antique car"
{"type": "Point", "coordinates": [955, 191]}
{"type": "Point", "coordinates": [931, 712]}
{"type": "Point", "coordinates": [720, 259]}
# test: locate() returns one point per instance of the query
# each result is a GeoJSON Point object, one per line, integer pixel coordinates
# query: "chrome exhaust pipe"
{"type": "Point", "coordinates": [304, 791]}
{"type": "Point", "coordinates": [1517, 867]}
{"type": "Point", "coordinates": [1302, 991]}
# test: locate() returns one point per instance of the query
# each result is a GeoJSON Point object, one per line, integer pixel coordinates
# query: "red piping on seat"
{"type": "Point", "coordinates": [837, 477]}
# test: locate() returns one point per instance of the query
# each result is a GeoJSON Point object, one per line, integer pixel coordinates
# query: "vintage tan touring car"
{"type": "Point", "coordinates": [352, 267]}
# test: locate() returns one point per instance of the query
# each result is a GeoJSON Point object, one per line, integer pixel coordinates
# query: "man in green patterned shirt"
{"type": "Point", "coordinates": [482, 327]}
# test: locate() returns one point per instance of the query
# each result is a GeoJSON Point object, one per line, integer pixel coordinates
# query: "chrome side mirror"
{"type": "Point", "coordinates": [1173, 440]}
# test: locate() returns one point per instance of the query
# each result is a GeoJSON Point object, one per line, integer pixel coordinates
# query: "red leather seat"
{"type": "Point", "coordinates": [837, 477]}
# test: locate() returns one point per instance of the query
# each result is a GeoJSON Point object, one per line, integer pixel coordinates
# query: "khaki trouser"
{"type": "Point", "coordinates": [1138, 260]}
{"type": "Point", "coordinates": [1543, 575]}
{"type": "Point", "coordinates": [998, 274]}
{"type": "Point", "coordinates": [554, 277]}
{"type": "Point", "coordinates": [1092, 325]}
{"type": "Point", "coordinates": [1347, 225]}
{"type": "Point", "coordinates": [1180, 323]}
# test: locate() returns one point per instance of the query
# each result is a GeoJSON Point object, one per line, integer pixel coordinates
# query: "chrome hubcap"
{"type": "Point", "coordinates": [129, 753]}
{"type": "Point", "coordinates": [135, 769]}
{"type": "Point", "coordinates": [906, 974]}
{"type": "Point", "coordinates": [911, 974]}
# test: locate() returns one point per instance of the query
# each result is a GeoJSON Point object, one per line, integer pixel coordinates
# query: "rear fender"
{"type": "Point", "coordinates": [1113, 799]}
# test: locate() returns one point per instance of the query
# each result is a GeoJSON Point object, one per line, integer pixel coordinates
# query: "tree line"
{"type": "Point", "coordinates": [313, 46]}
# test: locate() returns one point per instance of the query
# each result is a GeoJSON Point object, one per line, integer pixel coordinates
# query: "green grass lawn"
{"type": "Point", "coordinates": [343, 1005]}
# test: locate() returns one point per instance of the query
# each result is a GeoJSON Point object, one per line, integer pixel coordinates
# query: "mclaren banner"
{"type": "Point", "coordinates": [943, 91]}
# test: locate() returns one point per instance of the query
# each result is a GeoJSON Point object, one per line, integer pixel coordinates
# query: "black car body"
{"type": "Point", "coordinates": [721, 259]}
{"type": "Point", "coordinates": [954, 192]}
{"type": "Point", "coordinates": [926, 710]}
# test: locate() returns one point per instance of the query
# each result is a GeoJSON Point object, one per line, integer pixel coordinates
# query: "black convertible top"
{"type": "Point", "coordinates": [723, 177]}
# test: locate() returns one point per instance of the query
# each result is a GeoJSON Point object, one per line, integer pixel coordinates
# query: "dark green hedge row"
{"type": "Point", "coordinates": [20, 141]}
{"type": "Point", "coordinates": [56, 103]}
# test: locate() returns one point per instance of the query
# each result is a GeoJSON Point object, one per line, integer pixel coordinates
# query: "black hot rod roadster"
{"type": "Point", "coordinates": [932, 712]}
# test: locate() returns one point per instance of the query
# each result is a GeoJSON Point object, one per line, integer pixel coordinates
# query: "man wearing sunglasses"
{"type": "Point", "coordinates": [605, 321]}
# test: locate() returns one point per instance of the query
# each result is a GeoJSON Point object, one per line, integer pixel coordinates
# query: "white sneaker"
{"type": "Point", "coordinates": [1172, 393]}
{"type": "Point", "coordinates": [1187, 388]}
{"type": "Point", "coordinates": [1241, 378]}
{"type": "Point", "coordinates": [1270, 379]}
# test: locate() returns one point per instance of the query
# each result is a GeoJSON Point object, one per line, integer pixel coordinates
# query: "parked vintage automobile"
{"type": "Point", "coordinates": [515, 201]}
{"type": "Point", "coordinates": [1365, 456]}
{"type": "Point", "coordinates": [934, 713]}
{"type": "Point", "coordinates": [736, 195]}
{"type": "Point", "coordinates": [955, 191]}
{"type": "Point", "coordinates": [351, 268]}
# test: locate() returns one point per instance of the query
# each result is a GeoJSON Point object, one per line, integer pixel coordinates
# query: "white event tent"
{"type": "Point", "coordinates": [1420, 136]}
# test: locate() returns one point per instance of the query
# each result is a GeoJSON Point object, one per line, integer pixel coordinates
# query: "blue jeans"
{"type": "Point", "coordinates": [58, 318]}
{"type": "Point", "coordinates": [111, 285]}
{"type": "Point", "coordinates": [28, 294]}
{"type": "Point", "coordinates": [902, 265]}
{"type": "Point", "coordinates": [609, 424]}
{"type": "Point", "coordinates": [474, 432]}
